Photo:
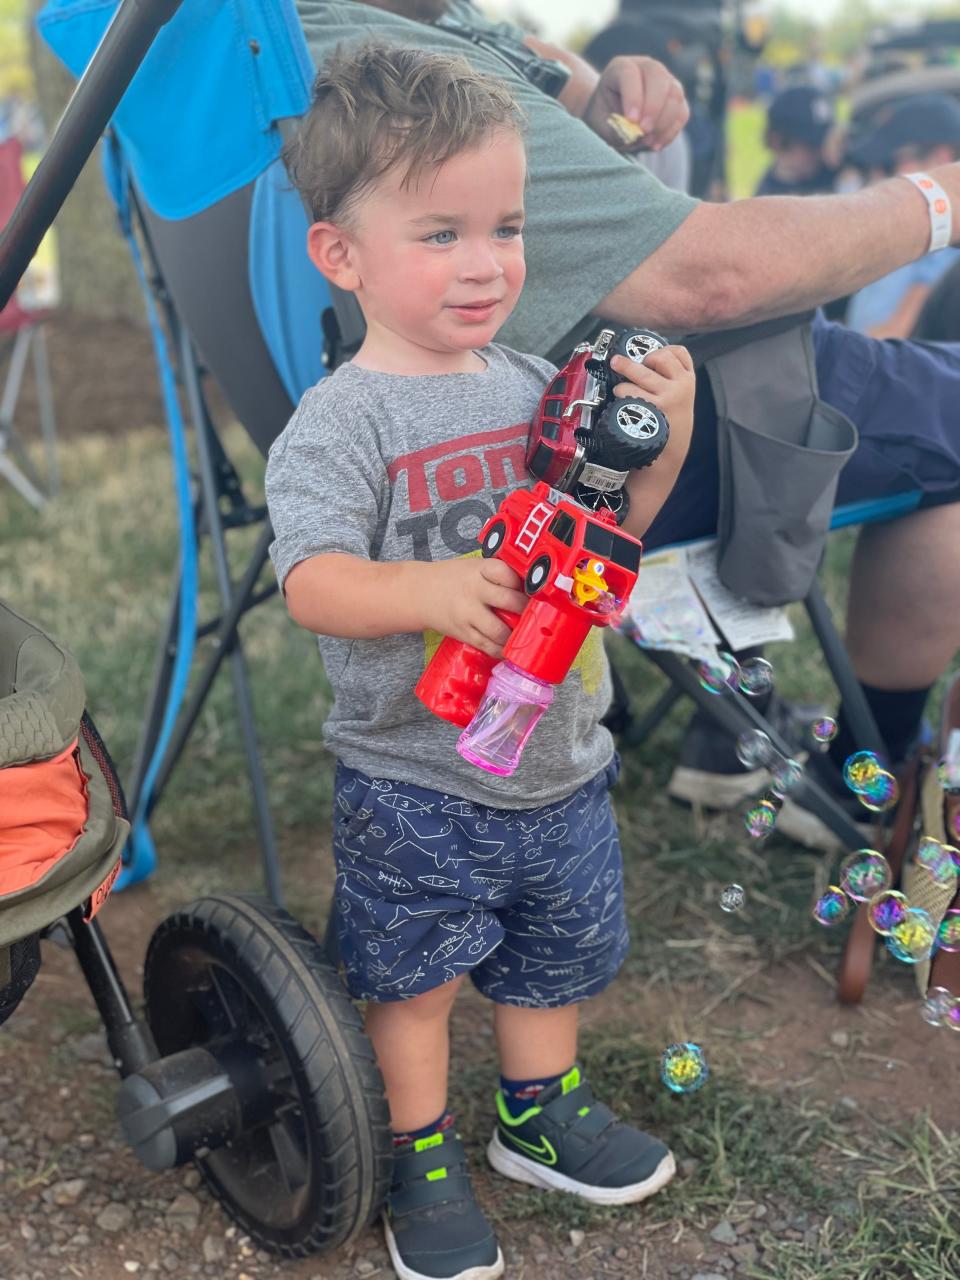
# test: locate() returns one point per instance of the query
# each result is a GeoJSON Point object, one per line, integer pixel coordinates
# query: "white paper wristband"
{"type": "Point", "coordinates": [938, 204]}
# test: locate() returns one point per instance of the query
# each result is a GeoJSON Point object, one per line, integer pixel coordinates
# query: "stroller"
{"type": "Point", "coordinates": [250, 1058]}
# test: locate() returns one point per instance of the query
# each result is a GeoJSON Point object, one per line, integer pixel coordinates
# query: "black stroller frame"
{"type": "Point", "coordinates": [250, 1056]}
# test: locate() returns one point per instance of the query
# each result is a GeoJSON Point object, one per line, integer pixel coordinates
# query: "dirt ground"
{"type": "Point", "coordinates": [75, 1202]}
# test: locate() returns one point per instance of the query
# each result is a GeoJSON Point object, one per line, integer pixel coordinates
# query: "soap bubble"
{"type": "Point", "coordinates": [786, 776]}
{"type": "Point", "coordinates": [914, 938]}
{"type": "Point", "coordinates": [952, 1019]}
{"type": "Point", "coordinates": [937, 860]}
{"type": "Point", "coordinates": [756, 677]}
{"type": "Point", "coordinates": [733, 898]}
{"type": "Point", "coordinates": [948, 935]}
{"type": "Point", "coordinates": [760, 819]}
{"type": "Point", "coordinates": [937, 1006]}
{"type": "Point", "coordinates": [887, 909]}
{"type": "Point", "coordinates": [881, 792]}
{"type": "Point", "coordinates": [683, 1067]}
{"type": "Point", "coordinates": [754, 748]}
{"type": "Point", "coordinates": [831, 907]}
{"type": "Point", "coordinates": [718, 674]}
{"type": "Point", "coordinates": [864, 874]}
{"type": "Point", "coordinates": [824, 730]}
{"type": "Point", "coordinates": [948, 774]}
{"type": "Point", "coordinates": [860, 768]}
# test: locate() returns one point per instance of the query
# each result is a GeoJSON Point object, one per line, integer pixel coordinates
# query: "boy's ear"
{"type": "Point", "coordinates": [328, 247]}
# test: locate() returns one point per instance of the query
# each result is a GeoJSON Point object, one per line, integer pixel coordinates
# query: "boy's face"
{"type": "Point", "coordinates": [439, 263]}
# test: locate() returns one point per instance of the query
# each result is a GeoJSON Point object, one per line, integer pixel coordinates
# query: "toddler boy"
{"type": "Point", "coordinates": [414, 168]}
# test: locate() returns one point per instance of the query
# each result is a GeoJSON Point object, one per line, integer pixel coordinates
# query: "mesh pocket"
{"type": "Point", "coordinates": [777, 498]}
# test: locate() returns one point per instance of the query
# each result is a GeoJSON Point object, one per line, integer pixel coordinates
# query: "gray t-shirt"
{"type": "Point", "coordinates": [593, 215]}
{"type": "Point", "coordinates": [392, 467]}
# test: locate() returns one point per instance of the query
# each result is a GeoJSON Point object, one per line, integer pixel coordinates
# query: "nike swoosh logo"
{"type": "Point", "coordinates": [543, 1151]}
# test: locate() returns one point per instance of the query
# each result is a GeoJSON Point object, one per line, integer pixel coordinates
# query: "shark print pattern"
{"type": "Point", "coordinates": [528, 902]}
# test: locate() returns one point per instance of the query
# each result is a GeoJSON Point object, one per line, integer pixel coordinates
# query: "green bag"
{"type": "Point", "coordinates": [41, 715]}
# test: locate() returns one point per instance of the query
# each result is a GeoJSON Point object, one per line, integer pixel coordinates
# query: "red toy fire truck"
{"type": "Point", "coordinates": [577, 567]}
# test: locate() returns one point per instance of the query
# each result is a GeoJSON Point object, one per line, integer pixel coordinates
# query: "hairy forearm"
{"type": "Point", "coordinates": [343, 595]}
{"type": "Point", "coordinates": [735, 264]}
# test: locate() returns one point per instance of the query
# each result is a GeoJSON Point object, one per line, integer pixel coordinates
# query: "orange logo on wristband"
{"type": "Point", "coordinates": [940, 206]}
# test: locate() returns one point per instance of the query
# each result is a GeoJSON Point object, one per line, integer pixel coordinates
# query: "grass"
{"type": "Point", "coordinates": [95, 570]}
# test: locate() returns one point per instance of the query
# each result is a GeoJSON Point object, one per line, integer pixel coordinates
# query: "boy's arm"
{"type": "Point", "coordinates": [337, 594]}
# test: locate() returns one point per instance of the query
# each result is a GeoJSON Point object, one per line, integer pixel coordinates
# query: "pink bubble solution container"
{"type": "Point", "coordinates": [507, 715]}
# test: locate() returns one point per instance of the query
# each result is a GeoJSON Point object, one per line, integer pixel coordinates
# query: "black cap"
{"type": "Point", "coordinates": [924, 120]}
{"type": "Point", "coordinates": [802, 114]}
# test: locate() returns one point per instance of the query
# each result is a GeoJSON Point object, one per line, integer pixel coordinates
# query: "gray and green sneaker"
{"type": "Point", "coordinates": [434, 1227]}
{"type": "Point", "coordinates": [567, 1141]}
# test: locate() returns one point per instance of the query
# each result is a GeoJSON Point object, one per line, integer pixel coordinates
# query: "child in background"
{"type": "Point", "coordinates": [414, 167]}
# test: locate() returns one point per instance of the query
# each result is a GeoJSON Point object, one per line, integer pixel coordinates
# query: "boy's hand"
{"type": "Point", "coordinates": [463, 596]}
{"type": "Point", "coordinates": [666, 378]}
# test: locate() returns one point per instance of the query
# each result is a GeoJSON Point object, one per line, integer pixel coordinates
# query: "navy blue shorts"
{"type": "Point", "coordinates": [903, 397]}
{"type": "Point", "coordinates": [529, 902]}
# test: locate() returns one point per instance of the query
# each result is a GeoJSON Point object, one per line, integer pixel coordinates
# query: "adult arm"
{"type": "Point", "coordinates": [735, 264]}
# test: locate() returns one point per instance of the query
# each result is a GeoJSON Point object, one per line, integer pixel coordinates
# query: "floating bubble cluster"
{"type": "Point", "coordinates": [948, 935]}
{"type": "Point", "coordinates": [824, 730]}
{"type": "Point", "coordinates": [754, 749]}
{"type": "Point", "coordinates": [683, 1067]}
{"type": "Point", "coordinates": [940, 1008]}
{"type": "Point", "coordinates": [756, 677]}
{"type": "Point", "coordinates": [860, 769]}
{"type": "Point", "coordinates": [864, 874]}
{"type": "Point", "coordinates": [937, 860]}
{"type": "Point", "coordinates": [733, 898]}
{"type": "Point", "coordinates": [886, 910]}
{"type": "Point", "coordinates": [786, 775]}
{"type": "Point", "coordinates": [880, 793]}
{"type": "Point", "coordinates": [914, 938]}
{"type": "Point", "coordinates": [760, 819]}
{"type": "Point", "coordinates": [718, 674]}
{"type": "Point", "coordinates": [831, 907]}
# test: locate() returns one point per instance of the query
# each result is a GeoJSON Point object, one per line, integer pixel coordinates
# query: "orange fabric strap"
{"type": "Point", "coordinates": [43, 810]}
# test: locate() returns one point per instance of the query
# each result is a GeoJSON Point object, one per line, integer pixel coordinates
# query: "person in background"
{"type": "Point", "coordinates": [915, 133]}
{"type": "Point", "coordinates": [799, 122]}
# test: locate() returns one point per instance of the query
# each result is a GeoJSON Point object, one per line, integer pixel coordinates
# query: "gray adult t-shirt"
{"type": "Point", "coordinates": [392, 467]}
{"type": "Point", "coordinates": [593, 215]}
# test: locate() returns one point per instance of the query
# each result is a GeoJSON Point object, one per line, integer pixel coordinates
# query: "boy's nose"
{"type": "Point", "coordinates": [481, 263]}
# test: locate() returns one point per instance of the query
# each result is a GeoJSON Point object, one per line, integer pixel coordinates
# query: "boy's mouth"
{"type": "Point", "coordinates": [477, 310]}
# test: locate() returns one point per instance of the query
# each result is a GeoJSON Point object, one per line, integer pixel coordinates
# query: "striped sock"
{"type": "Point", "coordinates": [440, 1125]}
{"type": "Point", "coordinates": [520, 1094]}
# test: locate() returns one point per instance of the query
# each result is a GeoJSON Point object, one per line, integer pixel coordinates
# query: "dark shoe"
{"type": "Point", "coordinates": [567, 1141]}
{"type": "Point", "coordinates": [434, 1227]}
{"type": "Point", "coordinates": [708, 772]}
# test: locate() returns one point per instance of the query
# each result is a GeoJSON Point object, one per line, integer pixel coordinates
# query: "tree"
{"type": "Point", "coordinates": [96, 274]}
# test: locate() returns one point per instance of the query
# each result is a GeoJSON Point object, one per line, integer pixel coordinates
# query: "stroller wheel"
{"type": "Point", "coordinates": [240, 978]}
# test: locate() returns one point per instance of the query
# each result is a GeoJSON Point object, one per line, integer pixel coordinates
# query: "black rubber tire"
{"type": "Point", "coordinates": [493, 539]}
{"type": "Point", "coordinates": [634, 343]}
{"type": "Point", "coordinates": [538, 575]}
{"type": "Point", "coordinates": [293, 1003]}
{"type": "Point", "coordinates": [614, 445]}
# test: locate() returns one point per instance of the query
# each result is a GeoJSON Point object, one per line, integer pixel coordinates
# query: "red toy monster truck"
{"type": "Point", "coordinates": [584, 442]}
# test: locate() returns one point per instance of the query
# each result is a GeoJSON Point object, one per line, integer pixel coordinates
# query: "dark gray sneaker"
{"type": "Point", "coordinates": [434, 1227]}
{"type": "Point", "coordinates": [567, 1141]}
{"type": "Point", "coordinates": [708, 772]}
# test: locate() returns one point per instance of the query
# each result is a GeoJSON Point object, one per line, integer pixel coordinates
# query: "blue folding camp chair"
{"type": "Point", "coordinates": [196, 163]}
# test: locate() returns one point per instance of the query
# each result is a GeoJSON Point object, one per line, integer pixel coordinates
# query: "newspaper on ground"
{"type": "Point", "coordinates": [679, 604]}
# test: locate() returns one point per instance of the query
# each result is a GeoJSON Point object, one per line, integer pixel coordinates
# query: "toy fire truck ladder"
{"type": "Point", "coordinates": [533, 527]}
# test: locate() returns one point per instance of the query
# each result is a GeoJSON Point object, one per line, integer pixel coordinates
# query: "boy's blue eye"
{"type": "Point", "coordinates": [437, 237]}
{"type": "Point", "coordinates": [509, 233]}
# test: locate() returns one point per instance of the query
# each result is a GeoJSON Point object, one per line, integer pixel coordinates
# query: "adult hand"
{"type": "Point", "coordinates": [644, 91]}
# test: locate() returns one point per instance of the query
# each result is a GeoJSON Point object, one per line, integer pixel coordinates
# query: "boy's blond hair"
{"type": "Point", "coordinates": [380, 106]}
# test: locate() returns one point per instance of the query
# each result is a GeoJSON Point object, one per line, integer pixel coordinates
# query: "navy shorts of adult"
{"type": "Point", "coordinates": [527, 902]}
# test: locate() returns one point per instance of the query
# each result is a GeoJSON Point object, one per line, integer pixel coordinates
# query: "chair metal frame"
{"type": "Point", "coordinates": [28, 342]}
